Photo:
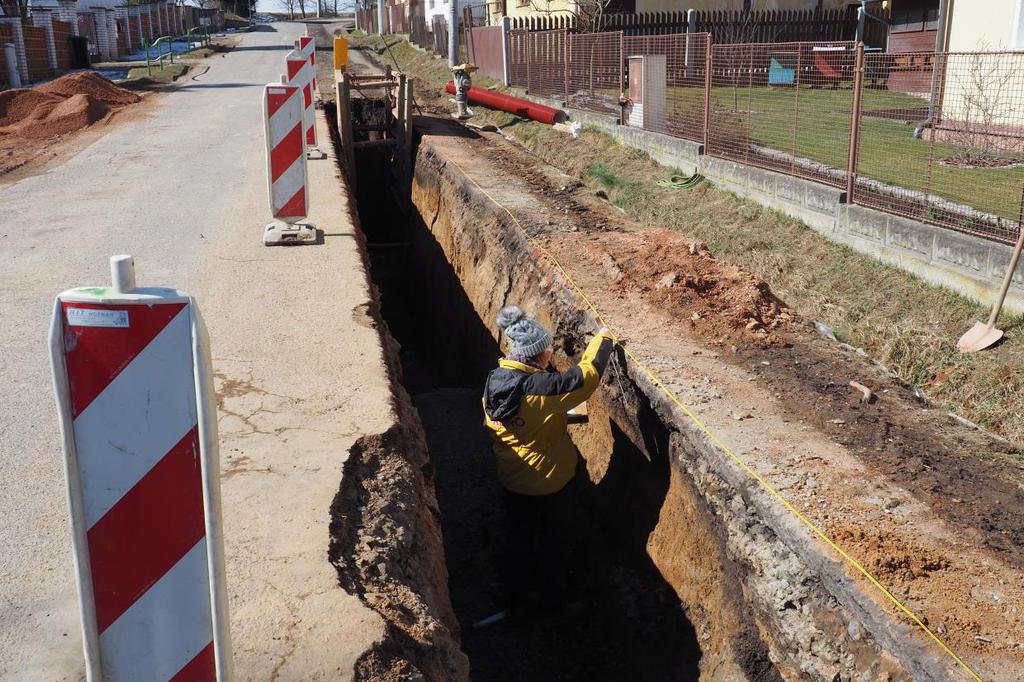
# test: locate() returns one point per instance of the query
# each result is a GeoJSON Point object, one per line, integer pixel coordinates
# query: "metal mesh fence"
{"type": "Point", "coordinates": [545, 59]}
{"type": "Point", "coordinates": [122, 36]}
{"type": "Point", "coordinates": [798, 108]}
{"type": "Point", "coordinates": [964, 167]}
{"type": "Point", "coordinates": [595, 71]}
{"type": "Point", "coordinates": [674, 100]}
{"type": "Point", "coordinates": [517, 61]}
{"type": "Point", "coordinates": [87, 29]}
{"type": "Point", "coordinates": [786, 107]}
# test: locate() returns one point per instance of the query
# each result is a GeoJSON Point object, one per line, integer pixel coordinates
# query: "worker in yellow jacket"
{"type": "Point", "coordinates": [526, 406]}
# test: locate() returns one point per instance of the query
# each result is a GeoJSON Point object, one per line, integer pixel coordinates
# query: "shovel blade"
{"type": "Point", "coordinates": [978, 337]}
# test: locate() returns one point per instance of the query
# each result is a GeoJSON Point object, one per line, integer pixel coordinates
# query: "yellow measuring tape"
{"type": "Point", "coordinates": [725, 448]}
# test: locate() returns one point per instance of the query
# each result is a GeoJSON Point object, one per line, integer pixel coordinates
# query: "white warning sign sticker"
{"type": "Point", "coordinates": [91, 317]}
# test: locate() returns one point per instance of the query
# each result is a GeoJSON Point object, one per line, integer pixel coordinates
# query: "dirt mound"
{"type": "Point", "coordinates": [74, 113]}
{"type": "Point", "coordinates": [89, 83]}
{"type": "Point", "coordinates": [671, 271]}
{"type": "Point", "coordinates": [60, 107]}
{"type": "Point", "coordinates": [17, 105]}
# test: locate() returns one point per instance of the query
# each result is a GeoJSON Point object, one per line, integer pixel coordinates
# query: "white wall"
{"type": "Point", "coordinates": [995, 27]}
{"type": "Point", "coordinates": [439, 9]}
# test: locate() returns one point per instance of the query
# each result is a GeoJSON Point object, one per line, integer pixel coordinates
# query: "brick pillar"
{"type": "Point", "coordinates": [67, 10]}
{"type": "Point", "coordinates": [126, 20]}
{"type": "Point", "coordinates": [103, 34]}
{"type": "Point", "coordinates": [19, 45]}
{"type": "Point", "coordinates": [42, 19]}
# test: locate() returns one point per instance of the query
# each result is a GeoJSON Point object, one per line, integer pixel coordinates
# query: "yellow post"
{"type": "Point", "coordinates": [340, 54]}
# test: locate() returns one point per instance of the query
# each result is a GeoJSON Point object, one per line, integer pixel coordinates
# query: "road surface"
{"type": "Point", "coordinates": [183, 190]}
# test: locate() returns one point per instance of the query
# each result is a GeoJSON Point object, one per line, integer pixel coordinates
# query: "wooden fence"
{"type": "Point", "coordinates": [730, 26]}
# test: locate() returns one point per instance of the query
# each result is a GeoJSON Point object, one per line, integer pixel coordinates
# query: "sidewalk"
{"type": "Point", "coordinates": [297, 384]}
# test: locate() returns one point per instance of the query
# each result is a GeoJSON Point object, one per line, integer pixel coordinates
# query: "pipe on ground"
{"type": "Point", "coordinates": [513, 105]}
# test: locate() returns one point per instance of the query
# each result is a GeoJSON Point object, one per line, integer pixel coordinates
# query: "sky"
{"type": "Point", "coordinates": [278, 6]}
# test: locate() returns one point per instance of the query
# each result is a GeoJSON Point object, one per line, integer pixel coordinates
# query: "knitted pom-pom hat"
{"type": "Point", "coordinates": [526, 336]}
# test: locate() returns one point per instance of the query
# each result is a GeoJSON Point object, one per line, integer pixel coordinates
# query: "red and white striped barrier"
{"type": "Point", "coordinates": [287, 179]}
{"type": "Point", "coordinates": [307, 46]}
{"type": "Point", "coordinates": [134, 386]}
{"type": "Point", "coordinates": [300, 74]}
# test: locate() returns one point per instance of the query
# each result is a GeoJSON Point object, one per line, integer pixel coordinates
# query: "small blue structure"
{"type": "Point", "coordinates": [779, 74]}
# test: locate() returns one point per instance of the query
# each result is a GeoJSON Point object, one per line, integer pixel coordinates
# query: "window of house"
{"type": "Point", "coordinates": [915, 15]}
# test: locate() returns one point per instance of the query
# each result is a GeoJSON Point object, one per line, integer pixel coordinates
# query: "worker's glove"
{"type": "Point", "coordinates": [605, 331]}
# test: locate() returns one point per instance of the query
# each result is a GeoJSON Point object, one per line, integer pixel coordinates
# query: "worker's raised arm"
{"type": "Point", "coordinates": [574, 386]}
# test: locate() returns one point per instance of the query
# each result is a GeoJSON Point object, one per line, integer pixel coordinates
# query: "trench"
{"type": "Point", "coordinates": [625, 620]}
{"type": "Point", "coordinates": [683, 569]}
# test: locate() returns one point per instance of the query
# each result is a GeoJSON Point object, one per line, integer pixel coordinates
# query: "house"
{"type": "Point", "coordinates": [999, 27]}
{"type": "Point", "coordinates": [525, 8]}
{"type": "Point", "coordinates": [915, 24]}
{"type": "Point", "coordinates": [974, 91]}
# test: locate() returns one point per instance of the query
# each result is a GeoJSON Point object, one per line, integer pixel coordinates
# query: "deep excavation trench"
{"type": "Point", "coordinates": [630, 623]}
{"type": "Point", "coordinates": [684, 569]}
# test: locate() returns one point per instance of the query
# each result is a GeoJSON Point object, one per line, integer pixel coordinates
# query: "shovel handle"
{"type": "Point", "coordinates": [1009, 276]}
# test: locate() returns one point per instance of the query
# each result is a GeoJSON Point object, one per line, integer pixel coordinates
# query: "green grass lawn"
{"type": "Point", "coordinates": [815, 124]}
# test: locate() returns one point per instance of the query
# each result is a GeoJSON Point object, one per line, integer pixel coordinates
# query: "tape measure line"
{"type": "Point", "coordinates": [704, 428]}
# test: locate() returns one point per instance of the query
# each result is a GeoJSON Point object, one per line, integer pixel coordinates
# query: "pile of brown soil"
{"type": "Point", "coordinates": [61, 107]}
{"type": "Point", "coordinates": [669, 270]}
{"type": "Point", "coordinates": [17, 105]}
{"type": "Point", "coordinates": [74, 113]}
{"type": "Point", "coordinates": [92, 84]}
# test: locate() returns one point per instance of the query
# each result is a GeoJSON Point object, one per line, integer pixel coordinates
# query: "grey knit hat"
{"type": "Point", "coordinates": [526, 336]}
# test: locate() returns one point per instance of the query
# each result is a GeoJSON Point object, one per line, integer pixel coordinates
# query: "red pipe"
{"type": "Point", "coordinates": [513, 105]}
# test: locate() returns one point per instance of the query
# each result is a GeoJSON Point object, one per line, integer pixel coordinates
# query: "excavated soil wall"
{"type": "Point", "coordinates": [761, 599]}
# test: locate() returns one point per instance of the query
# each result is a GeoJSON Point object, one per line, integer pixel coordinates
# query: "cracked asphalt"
{"type": "Point", "coordinates": [299, 370]}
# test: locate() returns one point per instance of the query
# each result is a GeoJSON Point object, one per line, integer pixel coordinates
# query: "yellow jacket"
{"type": "Point", "coordinates": [526, 409]}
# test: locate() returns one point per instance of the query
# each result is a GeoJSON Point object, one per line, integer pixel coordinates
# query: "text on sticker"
{"type": "Point", "coordinates": [91, 317]}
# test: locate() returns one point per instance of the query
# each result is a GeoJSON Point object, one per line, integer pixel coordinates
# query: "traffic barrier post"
{"type": "Point", "coordinates": [340, 54]}
{"type": "Point", "coordinates": [307, 46]}
{"type": "Point", "coordinates": [138, 420]}
{"type": "Point", "coordinates": [300, 74]}
{"type": "Point", "coordinates": [287, 180]}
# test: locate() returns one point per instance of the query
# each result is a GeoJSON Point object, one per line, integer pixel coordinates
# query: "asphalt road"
{"type": "Point", "coordinates": [182, 189]}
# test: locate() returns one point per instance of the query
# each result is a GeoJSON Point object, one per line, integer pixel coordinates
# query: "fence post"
{"type": "Point", "coordinates": [858, 87]}
{"type": "Point", "coordinates": [529, 57]}
{"type": "Point", "coordinates": [708, 52]}
{"type": "Point", "coordinates": [506, 31]}
{"type": "Point", "coordinates": [691, 28]}
{"type": "Point", "coordinates": [622, 78]}
{"type": "Point", "coordinates": [565, 64]}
